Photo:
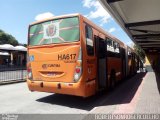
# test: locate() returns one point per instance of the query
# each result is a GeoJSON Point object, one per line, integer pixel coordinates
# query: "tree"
{"type": "Point", "coordinates": [25, 45]}
{"type": "Point", "coordinates": [7, 39]}
{"type": "Point", "coordinates": [140, 52]}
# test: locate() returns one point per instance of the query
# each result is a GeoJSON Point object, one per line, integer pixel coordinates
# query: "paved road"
{"type": "Point", "coordinates": [137, 95]}
{"type": "Point", "coordinates": [12, 75]}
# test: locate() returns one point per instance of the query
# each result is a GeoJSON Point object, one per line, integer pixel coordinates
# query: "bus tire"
{"type": "Point", "coordinates": [113, 79]}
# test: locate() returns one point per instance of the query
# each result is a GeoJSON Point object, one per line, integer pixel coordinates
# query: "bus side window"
{"type": "Point", "coordinates": [110, 45]}
{"type": "Point", "coordinates": [89, 40]}
{"type": "Point", "coordinates": [116, 47]}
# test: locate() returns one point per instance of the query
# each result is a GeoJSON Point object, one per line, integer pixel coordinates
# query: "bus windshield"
{"type": "Point", "coordinates": [54, 31]}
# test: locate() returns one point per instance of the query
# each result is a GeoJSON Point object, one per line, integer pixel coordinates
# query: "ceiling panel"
{"type": "Point", "coordinates": [140, 19]}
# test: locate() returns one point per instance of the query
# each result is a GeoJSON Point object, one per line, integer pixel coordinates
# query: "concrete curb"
{"type": "Point", "coordinates": [11, 82]}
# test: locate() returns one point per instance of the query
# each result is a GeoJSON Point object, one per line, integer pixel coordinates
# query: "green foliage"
{"type": "Point", "coordinates": [7, 39]}
{"type": "Point", "coordinates": [25, 45]}
{"type": "Point", "coordinates": [139, 51]}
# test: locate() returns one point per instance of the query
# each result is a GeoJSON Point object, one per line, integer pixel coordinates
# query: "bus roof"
{"type": "Point", "coordinates": [55, 17]}
{"type": "Point", "coordinates": [84, 18]}
{"type": "Point", "coordinates": [102, 31]}
{"type": "Point", "coordinates": [132, 49]}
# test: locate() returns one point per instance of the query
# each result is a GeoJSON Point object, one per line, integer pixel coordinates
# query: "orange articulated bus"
{"type": "Point", "coordinates": [71, 55]}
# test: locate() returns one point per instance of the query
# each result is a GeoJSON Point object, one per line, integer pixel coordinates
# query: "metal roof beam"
{"type": "Point", "coordinates": [146, 35]}
{"type": "Point", "coordinates": [112, 1]}
{"type": "Point", "coordinates": [150, 46]}
{"type": "Point", "coordinates": [144, 23]}
{"type": "Point", "coordinates": [146, 40]}
{"type": "Point", "coordinates": [150, 43]}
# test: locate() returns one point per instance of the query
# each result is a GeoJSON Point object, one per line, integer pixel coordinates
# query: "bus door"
{"type": "Point", "coordinates": [101, 63]}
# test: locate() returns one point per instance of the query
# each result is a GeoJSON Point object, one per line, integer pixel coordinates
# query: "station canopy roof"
{"type": "Point", "coordinates": [140, 19]}
{"type": "Point", "coordinates": [4, 54]}
{"type": "Point", "coordinates": [10, 47]}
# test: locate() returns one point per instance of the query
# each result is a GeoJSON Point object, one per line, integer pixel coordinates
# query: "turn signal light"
{"type": "Point", "coordinates": [28, 70]}
{"type": "Point", "coordinates": [78, 70]}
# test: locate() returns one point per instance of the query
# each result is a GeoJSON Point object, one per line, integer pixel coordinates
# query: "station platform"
{"type": "Point", "coordinates": [138, 95]}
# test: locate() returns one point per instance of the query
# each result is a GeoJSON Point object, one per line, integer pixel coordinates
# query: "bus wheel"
{"type": "Point", "coordinates": [113, 79]}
